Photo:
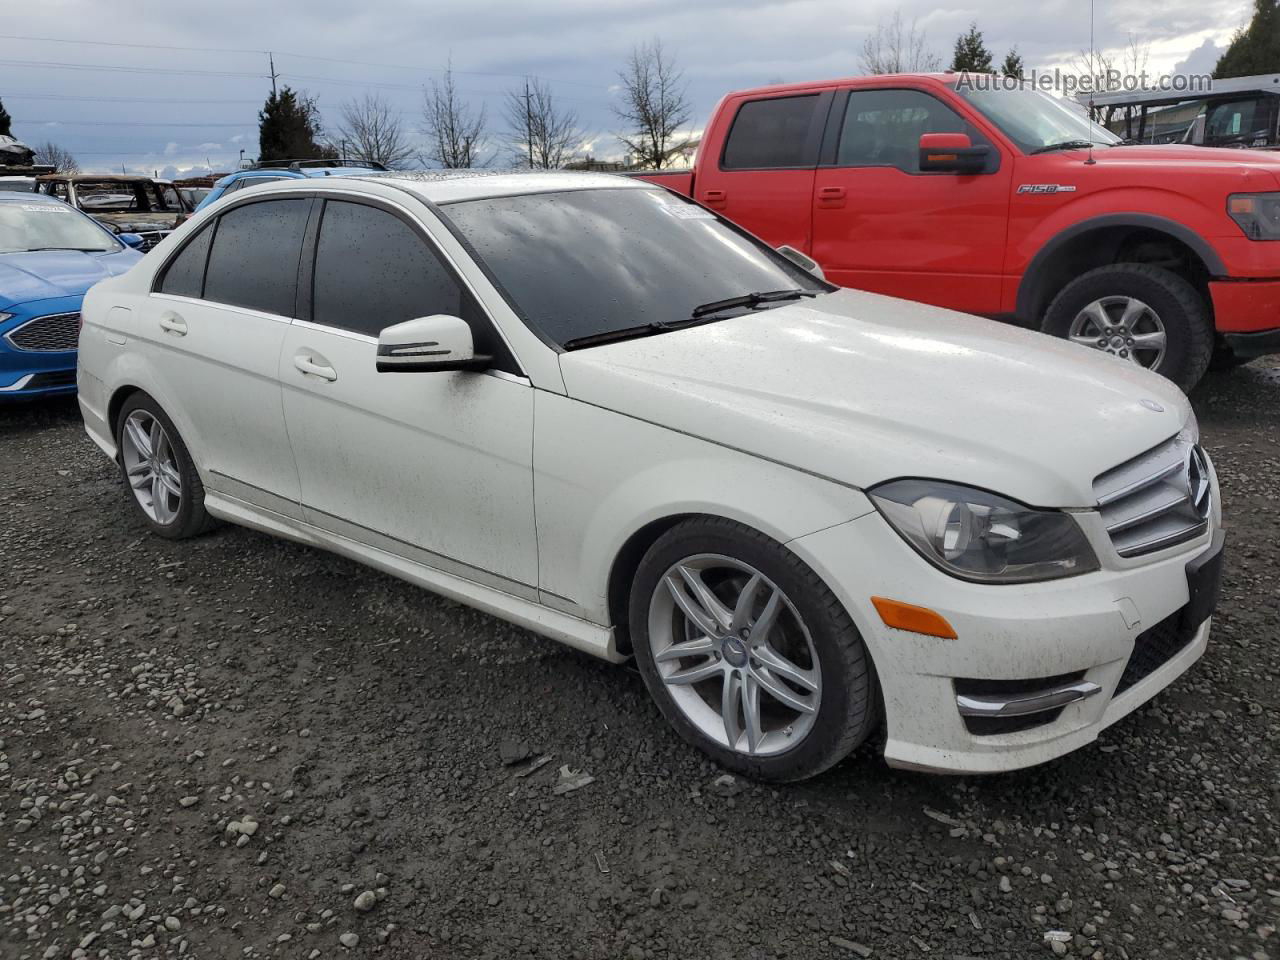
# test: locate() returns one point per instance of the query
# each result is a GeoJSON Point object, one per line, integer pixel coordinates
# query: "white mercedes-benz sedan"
{"type": "Point", "coordinates": [600, 411]}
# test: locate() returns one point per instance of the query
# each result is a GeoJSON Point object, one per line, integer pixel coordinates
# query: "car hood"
{"type": "Point", "coordinates": [861, 389]}
{"type": "Point", "coordinates": [46, 274]}
{"type": "Point", "coordinates": [136, 222]}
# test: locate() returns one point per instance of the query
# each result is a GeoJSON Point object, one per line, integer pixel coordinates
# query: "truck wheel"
{"type": "Point", "coordinates": [1145, 315]}
{"type": "Point", "coordinates": [748, 654]}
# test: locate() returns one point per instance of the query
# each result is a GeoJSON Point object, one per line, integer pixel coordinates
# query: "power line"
{"type": "Point", "coordinates": [10, 95]}
{"type": "Point", "coordinates": [301, 56]}
{"type": "Point", "coordinates": [111, 68]}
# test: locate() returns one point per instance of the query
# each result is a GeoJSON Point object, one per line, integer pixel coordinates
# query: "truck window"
{"type": "Point", "coordinates": [1234, 123]}
{"type": "Point", "coordinates": [882, 128]}
{"type": "Point", "coordinates": [770, 134]}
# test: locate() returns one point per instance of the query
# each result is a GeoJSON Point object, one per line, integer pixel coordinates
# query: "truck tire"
{"type": "Point", "coordinates": [1139, 313]}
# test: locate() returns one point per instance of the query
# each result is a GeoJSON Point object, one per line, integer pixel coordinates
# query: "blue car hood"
{"type": "Point", "coordinates": [47, 274]}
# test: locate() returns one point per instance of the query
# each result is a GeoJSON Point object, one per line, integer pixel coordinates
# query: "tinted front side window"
{"type": "Point", "coordinates": [254, 260]}
{"type": "Point", "coordinates": [882, 128]}
{"type": "Point", "coordinates": [770, 133]}
{"type": "Point", "coordinates": [184, 277]}
{"type": "Point", "coordinates": [588, 262]}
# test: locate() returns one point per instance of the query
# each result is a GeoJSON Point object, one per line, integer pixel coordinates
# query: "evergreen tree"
{"type": "Point", "coordinates": [289, 128]}
{"type": "Point", "coordinates": [1013, 65]}
{"type": "Point", "coordinates": [971, 52]}
{"type": "Point", "coordinates": [6, 122]}
{"type": "Point", "coordinates": [1256, 48]}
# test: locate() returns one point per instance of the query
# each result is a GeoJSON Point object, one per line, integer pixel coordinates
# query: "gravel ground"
{"type": "Point", "coordinates": [236, 746]}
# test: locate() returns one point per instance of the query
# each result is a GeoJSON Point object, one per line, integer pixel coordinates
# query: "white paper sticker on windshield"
{"type": "Point", "coordinates": [687, 211]}
{"type": "Point", "coordinates": [45, 208]}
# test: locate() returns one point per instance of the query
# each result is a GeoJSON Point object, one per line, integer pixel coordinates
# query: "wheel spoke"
{"type": "Point", "coordinates": [703, 671]}
{"type": "Point", "coordinates": [1149, 341]}
{"type": "Point", "coordinates": [1085, 340]}
{"type": "Point", "coordinates": [700, 619]}
{"type": "Point", "coordinates": [747, 602]}
{"type": "Point", "coordinates": [157, 437]}
{"type": "Point", "coordinates": [139, 474]}
{"type": "Point", "coordinates": [751, 713]}
{"type": "Point", "coordinates": [784, 668]}
{"type": "Point", "coordinates": [1133, 310]}
{"type": "Point", "coordinates": [781, 692]}
{"type": "Point", "coordinates": [1098, 314]}
{"type": "Point", "coordinates": [157, 492]}
{"type": "Point", "coordinates": [141, 441]}
{"type": "Point", "coordinates": [700, 646]}
{"type": "Point", "coordinates": [170, 485]}
{"type": "Point", "coordinates": [731, 707]}
{"type": "Point", "coordinates": [768, 618]}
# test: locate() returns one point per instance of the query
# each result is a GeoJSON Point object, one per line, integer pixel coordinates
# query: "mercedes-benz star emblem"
{"type": "Point", "coordinates": [1197, 474]}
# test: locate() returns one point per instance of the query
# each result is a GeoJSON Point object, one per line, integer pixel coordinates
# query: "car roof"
{"type": "Point", "coordinates": [30, 197]}
{"type": "Point", "coordinates": [451, 186]}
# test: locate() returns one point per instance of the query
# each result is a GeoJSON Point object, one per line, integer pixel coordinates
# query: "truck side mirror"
{"type": "Point", "coordinates": [952, 153]}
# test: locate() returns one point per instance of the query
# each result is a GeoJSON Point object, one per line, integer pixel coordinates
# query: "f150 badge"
{"type": "Point", "coordinates": [1045, 188]}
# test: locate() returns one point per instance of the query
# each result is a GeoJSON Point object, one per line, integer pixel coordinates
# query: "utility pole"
{"type": "Point", "coordinates": [528, 122]}
{"type": "Point", "coordinates": [272, 61]}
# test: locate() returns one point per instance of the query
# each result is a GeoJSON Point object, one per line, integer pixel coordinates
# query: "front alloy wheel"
{"type": "Point", "coordinates": [747, 653]}
{"type": "Point", "coordinates": [736, 657]}
{"type": "Point", "coordinates": [1124, 327]}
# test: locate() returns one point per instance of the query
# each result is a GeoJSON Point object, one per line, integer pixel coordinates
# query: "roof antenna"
{"type": "Point", "coordinates": [1092, 84]}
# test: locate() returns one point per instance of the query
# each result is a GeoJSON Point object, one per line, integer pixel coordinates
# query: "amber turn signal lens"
{"type": "Point", "coordinates": [907, 616]}
{"type": "Point", "coordinates": [1241, 205]}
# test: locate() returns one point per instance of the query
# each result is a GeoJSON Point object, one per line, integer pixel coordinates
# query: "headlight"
{"type": "Point", "coordinates": [980, 536]}
{"type": "Point", "coordinates": [1258, 214]}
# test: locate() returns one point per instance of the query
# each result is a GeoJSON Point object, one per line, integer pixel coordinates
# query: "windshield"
{"type": "Point", "coordinates": [18, 184]}
{"type": "Point", "coordinates": [44, 226]}
{"type": "Point", "coordinates": [590, 262]}
{"type": "Point", "coordinates": [1034, 120]}
{"type": "Point", "coordinates": [114, 196]}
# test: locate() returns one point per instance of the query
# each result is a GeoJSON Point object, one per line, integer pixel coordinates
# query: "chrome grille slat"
{"type": "Point", "coordinates": [52, 333]}
{"type": "Point", "coordinates": [1156, 500]}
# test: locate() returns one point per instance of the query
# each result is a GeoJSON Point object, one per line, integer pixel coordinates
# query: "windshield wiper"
{"type": "Point", "coordinates": [1068, 145]}
{"type": "Point", "coordinates": [610, 336]}
{"type": "Point", "coordinates": [749, 300]}
{"type": "Point", "coordinates": [77, 249]}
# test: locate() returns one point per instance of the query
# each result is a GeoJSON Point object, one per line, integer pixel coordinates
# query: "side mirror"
{"type": "Point", "coordinates": [803, 262]}
{"type": "Point", "coordinates": [429, 345]}
{"type": "Point", "coordinates": [952, 153]}
{"type": "Point", "coordinates": [134, 240]}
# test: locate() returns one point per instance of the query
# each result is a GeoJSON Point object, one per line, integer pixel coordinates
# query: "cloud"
{"type": "Point", "coordinates": [1202, 59]}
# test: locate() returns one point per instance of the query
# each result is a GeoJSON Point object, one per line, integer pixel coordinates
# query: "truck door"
{"type": "Point", "coordinates": [880, 224]}
{"type": "Point", "coordinates": [762, 178]}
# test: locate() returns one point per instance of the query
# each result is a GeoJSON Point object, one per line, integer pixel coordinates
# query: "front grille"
{"type": "Point", "coordinates": [1157, 499]}
{"type": "Point", "coordinates": [57, 332]}
{"type": "Point", "coordinates": [1155, 647]}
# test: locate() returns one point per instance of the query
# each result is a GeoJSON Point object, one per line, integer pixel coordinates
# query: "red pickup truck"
{"type": "Point", "coordinates": [1007, 203]}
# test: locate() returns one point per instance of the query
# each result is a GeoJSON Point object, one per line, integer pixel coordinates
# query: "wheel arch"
{"type": "Point", "coordinates": [119, 397]}
{"type": "Point", "coordinates": [1115, 238]}
{"type": "Point", "coordinates": [622, 573]}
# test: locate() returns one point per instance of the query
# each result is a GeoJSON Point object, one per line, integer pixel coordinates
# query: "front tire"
{"type": "Point", "coordinates": [159, 474]}
{"type": "Point", "coordinates": [748, 654]}
{"type": "Point", "coordinates": [1146, 315]}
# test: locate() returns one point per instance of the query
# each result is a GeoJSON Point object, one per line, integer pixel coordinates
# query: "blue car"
{"type": "Point", "coordinates": [50, 255]}
{"type": "Point", "coordinates": [285, 170]}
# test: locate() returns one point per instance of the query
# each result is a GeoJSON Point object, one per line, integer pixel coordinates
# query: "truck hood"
{"type": "Point", "coordinates": [1186, 158]}
{"type": "Point", "coordinates": [860, 389]}
{"type": "Point", "coordinates": [47, 274]}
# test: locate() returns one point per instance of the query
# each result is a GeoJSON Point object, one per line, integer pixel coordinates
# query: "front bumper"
{"type": "Point", "coordinates": [32, 374]}
{"type": "Point", "coordinates": [1080, 632]}
{"type": "Point", "coordinates": [1249, 346]}
{"type": "Point", "coordinates": [1245, 306]}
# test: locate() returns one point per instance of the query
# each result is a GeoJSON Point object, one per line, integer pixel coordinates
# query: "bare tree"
{"type": "Point", "coordinates": [896, 47]}
{"type": "Point", "coordinates": [1111, 69]}
{"type": "Point", "coordinates": [654, 105]}
{"type": "Point", "coordinates": [543, 136]}
{"type": "Point", "coordinates": [371, 132]}
{"type": "Point", "coordinates": [61, 160]}
{"type": "Point", "coordinates": [455, 133]}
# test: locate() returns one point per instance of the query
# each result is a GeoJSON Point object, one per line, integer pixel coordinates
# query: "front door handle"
{"type": "Point", "coordinates": [307, 365]}
{"type": "Point", "coordinates": [830, 197]}
{"type": "Point", "coordinates": [170, 322]}
{"type": "Point", "coordinates": [716, 198]}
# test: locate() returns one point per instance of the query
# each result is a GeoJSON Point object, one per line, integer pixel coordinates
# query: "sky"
{"type": "Point", "coordinates": [174, 87]}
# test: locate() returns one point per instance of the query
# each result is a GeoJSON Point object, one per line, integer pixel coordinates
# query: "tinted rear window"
{"type": "Point", "coordinates": [770, 133]}
{"type": "Point", "coordinates": [254, 260]}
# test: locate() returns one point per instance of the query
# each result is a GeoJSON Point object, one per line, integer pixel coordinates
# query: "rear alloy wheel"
{"type": "Point", "coordinates": [1145, 315]}
{"type": "Point", "coordinates": [748, 654]}
{"type": "Point", "coordinates": [162, 480]}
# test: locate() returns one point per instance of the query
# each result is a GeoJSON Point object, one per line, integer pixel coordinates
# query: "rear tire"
{"type": "Point", "coordinates": [159, 475]}
{"type": "Point", "coordinates": [794, 678]}
{"type": "Point", "coordinates": [1121, 308]}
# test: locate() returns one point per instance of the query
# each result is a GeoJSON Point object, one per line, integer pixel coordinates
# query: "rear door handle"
{"type": "Point", "coordinates": [307, 365]}
{"type": "Point", "coordinates": [715, 198]}
{"type": "Point", "coordinates": [172, 323]}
